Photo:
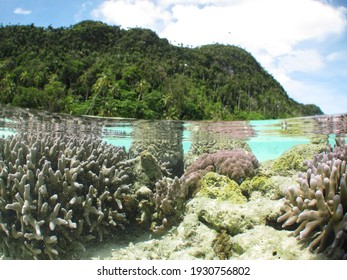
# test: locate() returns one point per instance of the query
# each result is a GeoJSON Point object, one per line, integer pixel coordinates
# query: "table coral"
{"type": "Point", "coordinates": [318, 203]}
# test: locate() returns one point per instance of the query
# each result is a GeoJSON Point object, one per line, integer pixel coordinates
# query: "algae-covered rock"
{"type": "Point", "coordinates": [319, 139]}
{"type": "Point", "coordinates": [260, 183]}
{"type": "Point", "coordinates": [221, 187]}
{"type": "Point", "coordinates": [271, 187]}
{"type": "Point", "coordinates": [292, 161]}
{"type": "Point", "coordinates": [197, 239]}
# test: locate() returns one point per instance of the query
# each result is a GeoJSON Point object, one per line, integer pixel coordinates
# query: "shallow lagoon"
{"type": "Point", "coordinates": [267, 139]}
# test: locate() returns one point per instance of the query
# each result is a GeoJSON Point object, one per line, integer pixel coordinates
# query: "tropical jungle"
{"type": "Point", "coordinates": [92, 68]}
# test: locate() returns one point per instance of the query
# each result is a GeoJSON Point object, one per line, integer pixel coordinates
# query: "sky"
{"type": "Point", "coordinates": [301, 43]}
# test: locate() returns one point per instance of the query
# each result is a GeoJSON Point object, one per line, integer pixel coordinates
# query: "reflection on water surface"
{"type": "Point", "coordinates": [266, 138]}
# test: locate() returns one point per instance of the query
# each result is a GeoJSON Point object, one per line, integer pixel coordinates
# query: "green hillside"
{"type": "Point", "coordinates": [96, 69]}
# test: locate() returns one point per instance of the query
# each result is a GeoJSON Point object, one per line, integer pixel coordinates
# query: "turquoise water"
{"type": "Point", "coordinates": [271, 137]}
{"type": "Point", "coordinates": [267, 139]}
{"type": "Point", "coordinates": [271, 140]}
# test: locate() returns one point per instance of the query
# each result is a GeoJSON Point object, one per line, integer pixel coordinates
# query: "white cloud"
{"type": "Point", "coordinates": [328, 98]}
{"type": "Point", "coordinates": [308, 61]}
{"type": "Point", "coordinates": [21, 11]}
{"type": "Point", "coordinates": [335, 56]}
{"type": "Point", "coordinates": [270, 25]}
{"type": "Point", "coordinates": [130, 13]}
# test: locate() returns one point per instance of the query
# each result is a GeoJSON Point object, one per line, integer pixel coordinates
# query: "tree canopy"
{"type": "Point", "coordinates": [97, 69]}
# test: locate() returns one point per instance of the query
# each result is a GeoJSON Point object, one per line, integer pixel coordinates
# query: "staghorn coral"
{"type": "Point", "coordinates": [169, 198]}
{"type": "Point", "coordinates": [236, 164]}
{"type": "Point", "coordinates": [318, 203]}
{"type": "Point", "coordinates": [57, 194]}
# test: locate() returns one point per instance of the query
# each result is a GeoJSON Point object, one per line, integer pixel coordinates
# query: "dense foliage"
{"type": "Point", "coordinates": [93, 68]}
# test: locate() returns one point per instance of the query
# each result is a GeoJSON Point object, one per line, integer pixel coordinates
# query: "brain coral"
{"type": "Point", "coordinates": [318, 203]}
{"type": "Point", "coordinates": [236, 164]}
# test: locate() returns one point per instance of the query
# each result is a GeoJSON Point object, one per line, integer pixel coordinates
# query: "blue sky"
{"type": "Point", "coordinates": [302, 43]}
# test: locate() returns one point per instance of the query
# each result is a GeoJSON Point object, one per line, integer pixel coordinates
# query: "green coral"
{"type": "Point", "coordinates": [221, 187]}
{"type": "Point", "coordinates": [292, 161]}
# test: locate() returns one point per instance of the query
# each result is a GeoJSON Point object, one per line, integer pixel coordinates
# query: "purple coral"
{"type": "Point", "coordinates": [236, 164]}
{"type": "Point", "coordinates": [318, 204]}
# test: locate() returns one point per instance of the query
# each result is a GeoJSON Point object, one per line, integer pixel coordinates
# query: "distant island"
{"type": "Point", "coordinates": [92, 68]}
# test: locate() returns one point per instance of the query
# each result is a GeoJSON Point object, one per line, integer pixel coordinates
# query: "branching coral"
{"type": "Point", "coordinates": [318, 203]}
{"type": "Point", "coordinates": [236, 164]}
{"type": "Point", "coordinates": [56, 194]}
{"type": "Point", "coordinates": [169, 200]}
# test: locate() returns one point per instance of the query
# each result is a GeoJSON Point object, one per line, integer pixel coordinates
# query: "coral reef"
{"type": "Point", "coordinates": [234, 218]}
{"type": "Point", "coordinates": [266, 243]}
{"type": "Point", "coordinates": [292, 161]}
{"type": "Point", "coordinates": [145, 170]}
{"type": "Point", "coordinates": [241, 227]}
{"type": "Point", "coordinates": [56, 194]}
{"type": "Point", "coordinates": [221, 187]}
{"type": "Point", "coordinates": [318, 203]}
{"type": "Point", "coordinates": [236, 164]}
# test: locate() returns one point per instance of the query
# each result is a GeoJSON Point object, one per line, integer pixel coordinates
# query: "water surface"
{"type": "Point", "coordinates": [267, 139]}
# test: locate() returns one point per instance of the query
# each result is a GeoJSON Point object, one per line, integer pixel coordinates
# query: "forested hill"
{"type": "Point", "coordinates": [96, 69]}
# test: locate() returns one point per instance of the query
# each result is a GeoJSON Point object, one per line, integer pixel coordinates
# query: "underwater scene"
{"type": "Point", "coordinates": [100, 188]}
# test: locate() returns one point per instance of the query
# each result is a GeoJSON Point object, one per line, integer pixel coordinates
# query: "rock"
{"type": "Point", "coordinates": [234, 218]}
{"type": "Point", "coordinates": [221, 187]}
{"type": "Point", "coordinates": [265, 243]}
{"type": "Point", "coordinates": [271, 187]}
